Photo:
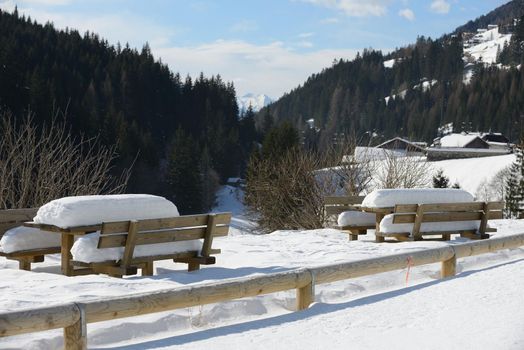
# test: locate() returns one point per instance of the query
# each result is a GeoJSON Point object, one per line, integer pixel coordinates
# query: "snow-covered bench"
{"type": "Point", "coordinates": [120, 248]}
{"type": "Point", "coordinates": [413, 221]}
{"type": "Point", "coordinates": [23, 244]}
{"type": "Point", "coordinates": [350, 219]}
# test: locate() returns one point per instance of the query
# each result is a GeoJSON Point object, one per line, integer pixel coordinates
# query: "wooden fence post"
{"type": "Point", "coordinates": [75, 336]}
{"type": "Point", "coordinates": [449, 267]}
{"type": "Point", "coordinates": [306, 294]}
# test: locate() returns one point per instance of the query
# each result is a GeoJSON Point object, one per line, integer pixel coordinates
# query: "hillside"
{"type": "Point", "coordinates": [413, 90]}
{"type": "Point", "coordinates": [124, 96]}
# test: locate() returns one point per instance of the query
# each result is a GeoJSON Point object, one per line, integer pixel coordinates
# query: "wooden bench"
{"type": "Point", "coordinates": [11, 218]}
{"type": "Point", "coordinates": [129, 234]}
{"type": "Point", "coordinates": [335, 205]}
{"type": "Point", "coordinates": [418, 214]}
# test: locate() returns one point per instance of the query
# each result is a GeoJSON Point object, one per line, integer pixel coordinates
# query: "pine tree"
{"type": "Point", "coordinates": [279, 140]}
{"type": "Point", "coordinates": [515, 184]}
{"type": "Point", "coordinates": [440, 180]}
{"type": "Point", "coordinates": [184, 175]}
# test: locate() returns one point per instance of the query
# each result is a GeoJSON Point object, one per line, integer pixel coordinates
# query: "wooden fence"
{"type": "Point", "coordinates": [74, 317]}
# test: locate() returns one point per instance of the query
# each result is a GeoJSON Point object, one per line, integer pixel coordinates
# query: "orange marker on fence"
{"type": "Point", "coordinates": [409, 263]}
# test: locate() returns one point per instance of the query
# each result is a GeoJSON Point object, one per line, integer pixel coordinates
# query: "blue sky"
{"type": "Point", "coordinates": [263, 46]}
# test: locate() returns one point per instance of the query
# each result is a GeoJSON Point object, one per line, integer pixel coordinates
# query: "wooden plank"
{"type": "Point", "coordinates": [32, 252]}
{"type": "Point", "coordinates": [335, 210]}
{"type": "Point", "coordinates": [446, 216]}
{"type": "Point", "coordinates": [339, 200]}
{"type": "Point", "coordinates": [208, 236]}
{"type": "Point", "coordinates": [130, 242]}
{"type": "Point", "coordinates": [17, 215]}
{"type": "Point", "coordinates": [154, 237]}
{"type": "Point", "coordinates": [406, 208]}
{"type": "Point", "coordinates": [448, 207]}
{"type": "Point", "coordinates": [166, 223]}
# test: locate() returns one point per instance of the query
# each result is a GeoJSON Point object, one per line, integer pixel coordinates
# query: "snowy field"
{"type": "Point", "coordinates": [481, 308]}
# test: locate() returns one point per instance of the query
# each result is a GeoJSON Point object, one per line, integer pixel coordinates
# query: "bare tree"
{"type": "Point", "coordinates": [41, 164]}
{"type": "Point", "coordinates": [402, 171]}
{"type": "Point", "coordinates": [288, 192]}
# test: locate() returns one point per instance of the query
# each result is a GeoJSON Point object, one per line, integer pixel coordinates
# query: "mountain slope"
{"type": "Point", "coordinates": [426, 79]}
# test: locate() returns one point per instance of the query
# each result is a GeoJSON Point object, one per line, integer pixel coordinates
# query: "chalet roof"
{"type": "Point", "coordinates": [419, 146]}
{"type": "Point", "coordinates": [458, 140]}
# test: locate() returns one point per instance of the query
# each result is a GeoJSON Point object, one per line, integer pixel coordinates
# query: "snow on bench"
{"type": "Point", "coordinates": [27, 238]}
{"type": "Point", "coordinates": [388, 198]}
{"type": "Point", "coordinates": [86, 249]}
{"type": "Point", "coordinates": [92, 210]}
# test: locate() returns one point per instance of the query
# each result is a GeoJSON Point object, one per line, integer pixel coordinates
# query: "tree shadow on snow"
{"type": "Point", "coordinates": [314, 310]}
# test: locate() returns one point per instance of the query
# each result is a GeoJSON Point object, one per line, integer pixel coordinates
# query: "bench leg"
{"type": "Point", "coordinates": [24, 264]}
{"type": "Point", "coordinates": [379, 217]}
{"type": "Point", "coordinates": [148, 268]}
{"type": "Point", "coordinates": [446, 236]}
{"type": "Point", "coordinates": [193, 266]}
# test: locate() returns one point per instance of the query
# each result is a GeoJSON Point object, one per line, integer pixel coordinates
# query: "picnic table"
{"type": "Point", "coordinates": [68, 238]}
{"type": "Point", "coordinates": [379, 215]}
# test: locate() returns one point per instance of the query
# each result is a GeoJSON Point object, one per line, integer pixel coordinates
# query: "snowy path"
{"type": "Point", "coordinates": [479, 309]}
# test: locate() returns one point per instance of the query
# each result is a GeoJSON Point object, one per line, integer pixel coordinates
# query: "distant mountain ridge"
{"type": "Point", "coordinates": [350, 97]}
{"type": "Point", "coordinates": [257, 102]}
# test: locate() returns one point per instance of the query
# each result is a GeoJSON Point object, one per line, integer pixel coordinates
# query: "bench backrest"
{"type": "Point", "coordinates": [129, 234]}
{"type": "Point", "coordinates": [446, 212]}
{"type": "Point", "coordinates": [10, 218]}
{"type": "Point", "coordinates": [335, 205]}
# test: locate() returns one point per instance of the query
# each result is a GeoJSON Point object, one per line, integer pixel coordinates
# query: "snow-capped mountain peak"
{"type": "Point", "coordinates": [257, 102]}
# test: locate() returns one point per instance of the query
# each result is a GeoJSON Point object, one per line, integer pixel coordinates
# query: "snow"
{"type": "Point", "coordinates": [85, 249]}
{"type": "Point", "coordinates": [481, 308]}
{"type": "Point", "coordinates": [25, 238]}
{"type": "Point", "coordinates": [491, 41]}
{"type": "Point", "coordinates": [384, 198]}
{"type": "Point", "coordinates": [470, 173]}
{"type": "Point", "coordinates": [257, 102]}
{"type": "Point", "coordinates": [356, 218]}
{"type": "Point", "coordinates": [456, 140]}
{"type": "Point", "coordinates": [389, 63]}
{"type": "Point", "coordinates": [91, 210]}
{"type": "Point", "coordinates": [387, 226]}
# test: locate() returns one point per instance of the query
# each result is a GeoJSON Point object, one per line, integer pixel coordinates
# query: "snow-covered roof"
{"type": "Point", "coordinates": [457, 140]}
{"type": "Point", "coordinates": [415, 145]}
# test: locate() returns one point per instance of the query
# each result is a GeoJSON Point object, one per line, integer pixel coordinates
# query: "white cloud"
{"type": "Point", "coordinates": [407, 14]}
{"type": "Point", "coordinates": [272, 69]}
{"type": "Point", "coordinates": [440, 6]}
{"type": "Point", "coordinates": [355, 8]}
{"type": "Point", "coordinates": [121, 27]}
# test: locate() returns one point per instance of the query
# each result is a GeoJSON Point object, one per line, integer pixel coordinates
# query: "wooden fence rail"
{"type": "Point", "coordinates": [73, 317]}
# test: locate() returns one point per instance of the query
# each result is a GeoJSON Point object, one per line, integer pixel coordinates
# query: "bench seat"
{"type": "Point", "coordinates": [413, 221]}
{"type": "Point", "coordinates": [23, 244]}
{"type": "Point", "coordinates": [121, 248]}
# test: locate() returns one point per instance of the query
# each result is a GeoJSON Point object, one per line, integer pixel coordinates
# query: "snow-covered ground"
{"type": "Point", "coordinates": [481, 308]}
{"type": "Point", "coordinates": [490, 43]}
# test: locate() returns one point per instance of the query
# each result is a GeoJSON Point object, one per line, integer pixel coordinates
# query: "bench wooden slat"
{"type": "Point", "coordinates": [335, 210]}
{"type": "Point", "coordinates": [449, 207]}
{"type": "Point", "coordinates": [164, 223]}
{"type": "Point", "coordinates": [18, 215]}
{"type": "Point", "coordinates": [445, 216]}
{"type": "Point", "coordinates": [151, 237]}
{"type": "Point", "coordinates": [341, 200]}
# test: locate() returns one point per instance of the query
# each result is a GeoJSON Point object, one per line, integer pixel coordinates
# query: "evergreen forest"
{"type": "Point", "coordinates": [125, 97]}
